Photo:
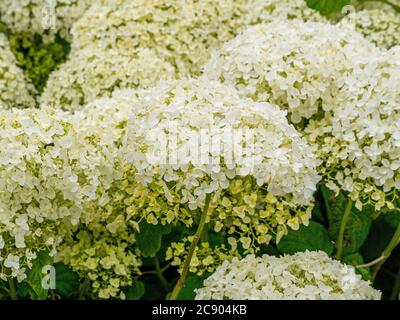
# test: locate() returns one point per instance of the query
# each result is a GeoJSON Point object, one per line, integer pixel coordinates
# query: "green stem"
{"type": "Point", "coordinates": [83, 289]}
{"type": "Point", "coordinates": [160, 275]}
{"type": "Point", "coordinates": [12, 290]}
{"type": "Point", "coordinates": [394, 6]}
{"type": "Point", "coordinates": [166, 267]}
{"type": "Point", "coordinates": [186, 266]}
{"type": "Point", "coordinates": [396, 289]}
{"type": "Point", "coordinates": [388, 250]}
{"type": "Point", "coordinates": [343, 223]}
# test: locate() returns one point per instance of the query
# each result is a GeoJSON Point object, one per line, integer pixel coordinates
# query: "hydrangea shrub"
{"type": "Point", "coordinates": [199, 149]}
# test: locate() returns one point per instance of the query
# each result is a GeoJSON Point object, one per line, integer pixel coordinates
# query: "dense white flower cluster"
{"type": "Point", "coordinates": [130, 44]}
{"type": "Point", "coordinates": [345, 85]}
{"type": "Point", "coordinates": [102, 248]}
{"type": "Point", "coordinates": [302, 276]}
{"type": "Point", "coordinates": [292, 64]}
{"type": "Point", "coordinates": [92, 73]}
{"type": "Point", "coordinates": [15, 89]}
{"type": "Point", "coordinates": [60, 174]}
{"type": "Point", "coordinates": [276, 155]}
{"type": "Point", "coordinates": [379, 26]}
{"type": "Point", "coordinates": [268, 186]}
{"type": "Point", "coordinates": [42, 16]}
{"type": "Point", "coordinates": [359, 140]}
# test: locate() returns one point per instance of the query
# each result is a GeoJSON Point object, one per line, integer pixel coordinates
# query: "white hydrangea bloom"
{"type": "Point", "coordinates": [60, 174]}
{"type": "Point", "coordinates": [292, 64]}
{"type": "Point", "coordinates": [302, 276]}
{"type": "Point", "coordinates": [190, 138]}
{"type": "Point", "coordinates": [359, 140]}
{"type": "Point", "coordinates": [94, 72]}
{"type": "Point", "coordinates": [15, 89]}
{"type": "Point", "coordinates": [42, 16]}
{"type": "Point", "coordinates": [379, 26]}
{"type": "Point", "coordinates": [135, 43]}
{"type": "Point", "coordinates": [280, 159]}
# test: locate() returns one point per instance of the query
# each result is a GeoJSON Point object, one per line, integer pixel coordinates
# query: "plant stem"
{"type": "Point", "coordinates": [179, 285]}
{"type": "Point", "coordinates": [388, 250]}
{"type": "Point", "coordinates": [160, 275]}
{"type": "Point", "coordinates": [372, 263]}
{"type": "Point", "coordinates": [83, 289]}
{"type": "Point", "coordinates": [396, 289]}
{"type": "Point", "coordinates": [12, 290]}
{"type": "Point", "coordinates": [343, 223]}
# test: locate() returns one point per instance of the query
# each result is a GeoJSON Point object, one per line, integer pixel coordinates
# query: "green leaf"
{"type": "Point", "coordinates": [314, 237]}
{"type": "Point", "coordinates": [192, 282]}
{"type": "Point", "coordinates": [382, 231]}
{"type": "Point", "coordinates": [135, 291]}
{"type": "Point", "coordinates": [24, 290]}
{"type": "Point", "coordinates": [149, 238]}
{"type": "Point", "coordinates": [357, 227]}
{"type": "Point", "coordinates": [67, 281]}
{"type": "Point", "coordinates": [327, 7]}
{"type": "Point", "coordinates": [35, 276]}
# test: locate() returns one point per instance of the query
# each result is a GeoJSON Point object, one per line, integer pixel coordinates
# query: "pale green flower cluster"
{"type": "Point", "coordinates": [302, 276]}
{"type": "Point", "coordinates": [45, 17]}
{"type": "Point", "coordinates": [382, 27]}
{"type": "Point", "coordinates": [298, 74]}
{"type": "Point", "coordinates": [265, 190]}
{"type": "Point", "coordinates": [136, 43]}
{"type": "Point", "coordinates": [15, 89]}
{"type": "Point", "coordinates": [205, 257]}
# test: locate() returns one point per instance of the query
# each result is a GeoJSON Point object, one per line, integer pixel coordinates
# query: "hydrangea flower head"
{"type": "Point", "coordinates": [382, 27]}
{"type": "Point", "coordinates": [302, 276]}
{"type": "Point", "coordinates": [136, 43]}
{"type": "Point", "coordinates": [63, 190]}
{"type": "Point", "coordinates": [292, 64]}
{"type": "Point", "coordinates": [190, 138]}
{"type": "Point", "coordinates": [358, 141]}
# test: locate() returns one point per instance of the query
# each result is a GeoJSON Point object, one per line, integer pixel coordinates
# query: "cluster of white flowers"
{"type": "Point", "coordinates": [130, 44]}
{"type": "Point", "coordinates": [60, 174]}
{"type": "Point", "coordinates": [346, 87]}
{"type": "Point", "coordinates": [15, 89]}
{"type": "Point", "coordinates": [302, 276]}
{"type": "Point", "coordinates": [268, 186]}
{"type": "Point", "coordinates": [292, 64]}
{"type": "Point", "coordinates": [275, 156]}
{"type": "Point", "coordinates": [382, 27]}
{"type": "Point", "coordinates": [78, 183]}
{"type": "Point", "coordinates": [359, 140]}
{"type": "Point", "coordinates": [93, 73]}
{"type": "Point", "coordinates": [42, 16]}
